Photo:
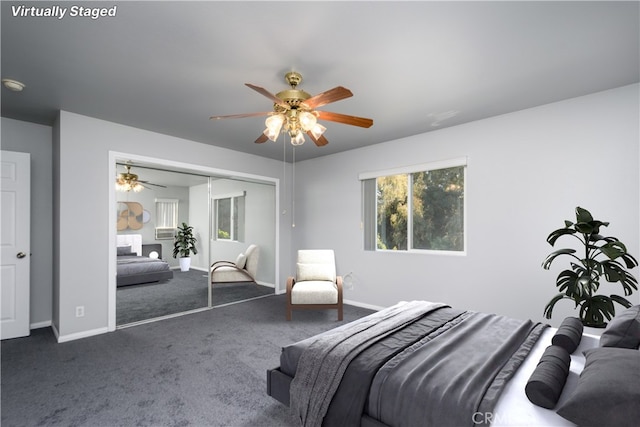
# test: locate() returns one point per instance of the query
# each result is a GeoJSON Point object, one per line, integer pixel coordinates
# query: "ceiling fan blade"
{"type": "Point", "coordinates": [240, 116]}
{"type": "Point", "coordinates": [262, 138]}
{"type": "Point", "coordinates": [151, 183]}
{"type": "Point", "coordinates": [345, 119]}
{"type": "Point", "coordinates": [269, 95]}
{"type": "Point", "coordinates": [324, 98]}
{"type": "Point", "coordinates": [319, 141]}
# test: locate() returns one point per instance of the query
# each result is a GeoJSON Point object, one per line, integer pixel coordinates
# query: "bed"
{"type": "Point", "coordinates": [428, 364]}
{"type": "Point", "coordinates": [134, 268]}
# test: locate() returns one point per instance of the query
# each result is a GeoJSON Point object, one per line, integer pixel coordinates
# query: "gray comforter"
{"type": "Point", "coordinates": [140, 264]}
{"type": "Point", "coordinates": [438, 368]}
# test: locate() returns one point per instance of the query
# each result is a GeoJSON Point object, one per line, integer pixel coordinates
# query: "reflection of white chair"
{"type": "Point", "coordinates": [244, 269]}
{"type": "Point", "coordinates": [316, 285]}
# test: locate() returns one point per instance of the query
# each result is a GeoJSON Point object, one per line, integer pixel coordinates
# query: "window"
{"type": "Point", "coordinates": [229, 217]}
{"type": "Point", "coordinates": [416, 208]}
{"type": "Point", "coordinates": [166, 218]}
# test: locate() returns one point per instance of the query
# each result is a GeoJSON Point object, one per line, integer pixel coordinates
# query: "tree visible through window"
{"type": "Point", "coordinates": [418, 211]}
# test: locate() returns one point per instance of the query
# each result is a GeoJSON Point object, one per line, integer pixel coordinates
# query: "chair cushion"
{"type": "Point", "coordinates": [314, 292]}
{"type": "Point", "coordinates": [241, 261]}
{"type": "Point", "coordinates": [307, 272]}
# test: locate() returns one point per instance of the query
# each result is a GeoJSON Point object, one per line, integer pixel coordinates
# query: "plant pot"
{"type": "Point", "coordinates": [185, 263]}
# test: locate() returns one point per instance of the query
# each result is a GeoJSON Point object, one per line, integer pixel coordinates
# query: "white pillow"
{"type": "Point", "coordinates": [315, 272]}
{"type": "Point", "coordinates": [241, 261]}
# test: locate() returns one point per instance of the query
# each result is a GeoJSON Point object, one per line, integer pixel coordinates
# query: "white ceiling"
{"type": "Point", "coordinates": [413, 67]}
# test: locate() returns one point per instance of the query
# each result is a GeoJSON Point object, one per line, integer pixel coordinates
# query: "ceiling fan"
{"type": "Point", "coordinates": [128, 181]}
{"type": "Point", "coordinates": [294, 112]}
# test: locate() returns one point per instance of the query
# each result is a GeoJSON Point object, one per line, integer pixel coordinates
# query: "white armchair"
{"type": "Point", "coordinates": [244, 269]}
{"type": "Point", "coordinates": [316, 285]}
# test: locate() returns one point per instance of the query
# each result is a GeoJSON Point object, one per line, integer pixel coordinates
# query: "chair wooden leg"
{"type": "Point", "coordinates": [340, 312]}
{"type": "Point", "coordinates": [288, 312]}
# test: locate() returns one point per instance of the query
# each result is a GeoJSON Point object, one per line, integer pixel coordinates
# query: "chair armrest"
{"type": "Point", "coordinates": [220, 264]}
{"type": "Point", "coordinates": [223, 263]}
{"type": "Point", "coordinates": [339, 286]}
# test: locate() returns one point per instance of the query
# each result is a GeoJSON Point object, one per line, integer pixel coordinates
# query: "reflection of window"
{"type": "Point", "coordinates": [229, 216]}
{"type": "Point", "coordinates": [415, 208]}
{"type": "Point", "coordinates": [166, 218]}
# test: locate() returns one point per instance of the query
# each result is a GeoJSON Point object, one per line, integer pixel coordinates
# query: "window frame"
{"type": "Point", "coordinates": [370, 209]}
{"type": "Point", "coordinates": [236, 233]}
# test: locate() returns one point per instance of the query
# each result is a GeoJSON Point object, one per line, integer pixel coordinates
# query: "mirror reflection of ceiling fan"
{"type": "Point", "coordinates": [294, 112]}
{"type": "Point", "coordinates": [128, 181]}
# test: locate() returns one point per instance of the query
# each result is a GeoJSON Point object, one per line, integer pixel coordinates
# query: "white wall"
{"type": "Point", "coordinates": [84, 247]}
{"type": "Point", "coordinates": [527, 171]}
{"type": "Point", "coordinates": [199, 220]}
{"type": "Point", "coordinates": [37, 140]}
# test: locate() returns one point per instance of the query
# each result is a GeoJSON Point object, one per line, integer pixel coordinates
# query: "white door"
{"type": "Point", "coordinates": [15, 205]}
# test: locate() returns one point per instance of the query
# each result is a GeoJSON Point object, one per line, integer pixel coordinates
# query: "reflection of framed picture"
{"type": "Point", "coordinates": [130, 215]}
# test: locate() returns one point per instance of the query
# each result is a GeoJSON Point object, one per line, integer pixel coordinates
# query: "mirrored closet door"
{"type": "Point", "coordinates": [225, 216]}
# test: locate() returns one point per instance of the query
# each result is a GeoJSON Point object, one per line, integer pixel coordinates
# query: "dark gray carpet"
{"type": "Point", "coordinates": [186, 291]}
{"type": "Point", "coordinates": [202, 369]}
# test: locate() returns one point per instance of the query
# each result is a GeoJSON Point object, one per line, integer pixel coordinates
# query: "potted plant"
{"type": "Point", "coordinates": [183, 245]}
{"type": "Point", "coordinates": [602, 257]}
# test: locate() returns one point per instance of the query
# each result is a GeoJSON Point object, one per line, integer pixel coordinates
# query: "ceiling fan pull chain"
{"type": "Point", "coordinates": [293, 187]}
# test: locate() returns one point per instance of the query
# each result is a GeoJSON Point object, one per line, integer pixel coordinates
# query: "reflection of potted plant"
{"type": "Point", "coordinates": [183, 245]}
{"type": "Point", "coordinates": [582, 281]}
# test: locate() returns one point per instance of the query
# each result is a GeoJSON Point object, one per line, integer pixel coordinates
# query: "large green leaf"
{"type": "Point", "coordinates": [548, 310]}
{"type": "Point", "coordinates": [547, 262]}
{"type": "Point", "coordinates": [596, 309]}
{"type": "Point", "coordinates": [613, 249]}
{"type": "Point", "coordinates": [622, 301]}
{"type": "Point", "coordinates": [629, 260]}
{"type": "Point", "coordinates": [583, 215]}
{"type": "Point", "coordinates": [567, 282]}
{"type": "Point", "coordinates": [554, 235]}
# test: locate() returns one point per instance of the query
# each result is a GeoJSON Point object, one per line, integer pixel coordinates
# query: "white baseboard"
{"type": "Point", "coordinates": [55, 331]}
{"type": "Point", "coordinates": [79, 335]}
{"type": "Point", "coordinates": [347, 301]}
{"type": "Point", "coordinates": [177, 267]}
{"type": "Point", "coordinates": [268, 285]}
{"type": "Point", "coordinates": [39, 325]}
{"type": "Point", "coordinates": [363, 305]}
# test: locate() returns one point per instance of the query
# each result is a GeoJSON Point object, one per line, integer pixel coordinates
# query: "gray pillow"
{"type": "Point", "coordinates": [623, 330]}
{"type": "Point", "coordinates": [124, 250]}
{"type": "Point", "coordinates": [569, 334]}
{"type": "Point", "coordinates": [547, 380]}
{"type": "Point", "coordinates": [608, 390]}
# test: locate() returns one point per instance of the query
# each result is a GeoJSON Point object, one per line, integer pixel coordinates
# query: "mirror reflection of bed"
{"type": "Point", "coordinates": [148, 288]}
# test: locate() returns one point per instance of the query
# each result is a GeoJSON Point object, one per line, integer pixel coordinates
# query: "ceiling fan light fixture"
{"type": "Point", "coordinates": [307, 120]}
{"type": "Point", "coordinates": [274, 125]}
{"type": "Point", "coordinates": [317, 130]}
{"type": "Point", "coordinates": [128, 181]}
{"type": "Point", "coordinates": [297, 139]}
{"type": "Point", "coordinates": [126, 186]}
